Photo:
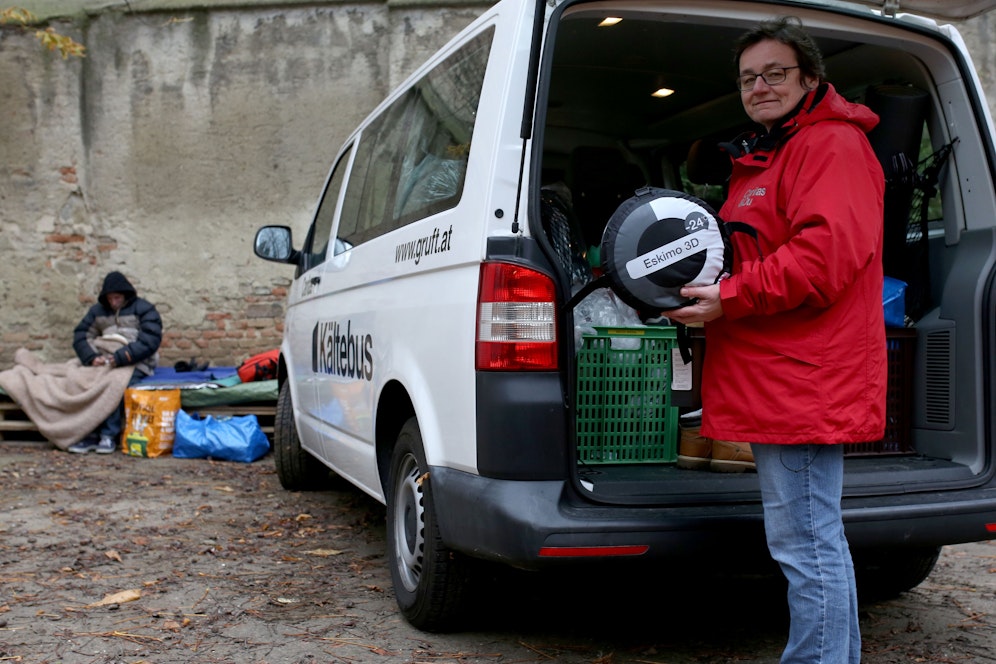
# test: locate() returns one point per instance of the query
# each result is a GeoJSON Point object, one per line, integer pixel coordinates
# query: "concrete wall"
{"type": "Point", "coordinates": [180, 133]}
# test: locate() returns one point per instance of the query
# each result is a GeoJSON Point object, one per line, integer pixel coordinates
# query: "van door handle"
{"type": "Point", "coordinates": [314, 281]}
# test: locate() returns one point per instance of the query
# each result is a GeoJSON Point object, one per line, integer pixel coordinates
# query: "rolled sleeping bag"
{"type": "Point", "coordinates": [658, 241]}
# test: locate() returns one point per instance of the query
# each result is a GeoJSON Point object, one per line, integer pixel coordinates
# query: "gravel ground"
{"type": "Point", "coordinates": [114, 559]}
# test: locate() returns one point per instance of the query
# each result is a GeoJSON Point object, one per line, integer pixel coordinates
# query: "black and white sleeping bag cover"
{"type": "Point", "coordinates": [658, 241]}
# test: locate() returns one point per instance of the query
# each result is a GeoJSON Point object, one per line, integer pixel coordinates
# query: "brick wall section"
{"type": "Point", "coordinates": [221, 339]}
{"type": "Point", "coordinates": [224, 339]}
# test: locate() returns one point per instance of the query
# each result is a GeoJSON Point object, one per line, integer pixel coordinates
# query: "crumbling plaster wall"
{"type": "Point", "coordinates": [181, 132]}
{"type": "Point", "coordinates": [162, 151]}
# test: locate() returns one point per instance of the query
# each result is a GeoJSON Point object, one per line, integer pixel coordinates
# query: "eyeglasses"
{"type": "Point", "coordinates": [773, 76]}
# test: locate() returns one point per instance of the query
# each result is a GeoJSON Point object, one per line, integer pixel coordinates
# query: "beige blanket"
{"type": "Point", "coordinates": [65, 401]}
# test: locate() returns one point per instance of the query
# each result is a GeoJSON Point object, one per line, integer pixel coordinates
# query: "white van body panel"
{"type": "Point", "coordinates": [298, 326]}
{"type": "Point", "coordinates": [400, 289]}
{"type": "Point", "coordinates": [383, 302]}
{"type": "Point", "coordinates": [976, 83]}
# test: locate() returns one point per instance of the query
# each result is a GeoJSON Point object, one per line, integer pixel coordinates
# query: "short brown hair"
{"type": "Point", "coordinates": [789, 31]}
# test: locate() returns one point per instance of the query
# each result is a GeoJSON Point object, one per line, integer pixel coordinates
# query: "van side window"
{"type": "Point", "coordinates": [411, 160]}
{"type": "Point", "coordinates": [316, 246]}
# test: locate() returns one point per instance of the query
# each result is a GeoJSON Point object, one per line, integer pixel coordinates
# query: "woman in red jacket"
{"type": "Point", "coordinates": [796, 337]}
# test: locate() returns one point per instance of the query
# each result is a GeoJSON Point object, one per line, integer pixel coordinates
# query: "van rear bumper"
{"type": "Point", "coordinates": [514, 521]}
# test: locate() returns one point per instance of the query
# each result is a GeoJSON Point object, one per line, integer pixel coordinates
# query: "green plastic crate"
{"type": "Point", "coordinates": [624, 407]}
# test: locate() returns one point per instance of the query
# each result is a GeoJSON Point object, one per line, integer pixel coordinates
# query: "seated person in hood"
{"type": "Point", "coordinates": [135, 323]}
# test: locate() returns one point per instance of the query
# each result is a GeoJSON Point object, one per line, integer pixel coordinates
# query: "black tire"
{"type": "Point", "coordinates": [296, 468]}
{"type": "Point", "coordinates": [430, 581]}
{"type": "Point", "coordinates": [886, 573]}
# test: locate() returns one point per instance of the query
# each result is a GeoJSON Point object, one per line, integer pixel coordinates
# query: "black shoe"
{"type": "Point", "coordinates": [88, 444]}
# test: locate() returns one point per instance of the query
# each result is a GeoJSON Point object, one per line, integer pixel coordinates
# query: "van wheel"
{"type": "Point", "coordinates": [430, 581]}
{"type": "Point", "coordinates": [296, 468]}
{"type": "Point", "coordinates": [886, 573]}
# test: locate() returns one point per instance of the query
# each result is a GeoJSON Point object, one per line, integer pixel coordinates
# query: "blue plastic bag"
{"type": "Point", "coordinates": [231, 438]}
{"type": "Point", "coordinates": [894, 302]}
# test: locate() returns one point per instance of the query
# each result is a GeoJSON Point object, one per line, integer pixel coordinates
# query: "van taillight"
{"type": "Point", "coordinates": [516, 327]}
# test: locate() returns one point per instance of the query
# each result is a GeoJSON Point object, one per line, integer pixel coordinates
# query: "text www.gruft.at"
{"type": "Point", "coordinates": [413, 250]}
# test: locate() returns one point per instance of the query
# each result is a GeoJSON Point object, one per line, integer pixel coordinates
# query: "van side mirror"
{"type": "Point", "coordinates": [273, 243]}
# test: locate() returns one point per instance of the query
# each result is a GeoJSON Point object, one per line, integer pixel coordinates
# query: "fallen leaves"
{"type": "Point", "coordinates": [118, 598]}
{"type": "Point", "coordinates": [323, 553]}
{"type": "Point", "coordinates": [174, 626]}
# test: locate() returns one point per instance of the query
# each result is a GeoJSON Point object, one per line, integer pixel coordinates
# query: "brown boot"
{"type": "Point", "coordinates": [694, 450]}
{"type": "Point", "coordinates": [730, 457]}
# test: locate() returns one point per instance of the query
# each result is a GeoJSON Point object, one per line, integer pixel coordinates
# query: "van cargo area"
{"type": "Point", "coordinates": [644, 100]}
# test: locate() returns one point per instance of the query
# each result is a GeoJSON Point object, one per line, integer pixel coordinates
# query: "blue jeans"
{"type": "Point", "coordinates": [112, 426]}
{"type": "Point", "coordinates": [801, 489]}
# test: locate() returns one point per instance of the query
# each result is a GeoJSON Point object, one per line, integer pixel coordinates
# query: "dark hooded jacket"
{"type": "Point", "coordinates": [137, 321]}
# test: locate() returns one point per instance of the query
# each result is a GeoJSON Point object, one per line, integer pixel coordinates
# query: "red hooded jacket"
{"type": "Point", "coordinates": [799, 355]}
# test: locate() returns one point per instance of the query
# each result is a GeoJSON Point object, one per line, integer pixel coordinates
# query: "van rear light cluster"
{"type": "Point", "coordinates": [516, 322]}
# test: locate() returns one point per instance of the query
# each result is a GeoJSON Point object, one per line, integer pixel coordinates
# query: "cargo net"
{"type": "Point", "coordinates": [923, 182]}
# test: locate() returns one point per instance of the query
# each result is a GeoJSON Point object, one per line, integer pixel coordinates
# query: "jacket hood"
{"type": "Point", "coordinates": [824, 103]}
{"type": "Point", "coordinates": [115, 282]}
{"type": "Point", "coordinates": [819, 105]}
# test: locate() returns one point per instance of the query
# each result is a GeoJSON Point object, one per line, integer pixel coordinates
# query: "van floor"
{"type": "Point", "coordinates": [656, 483]}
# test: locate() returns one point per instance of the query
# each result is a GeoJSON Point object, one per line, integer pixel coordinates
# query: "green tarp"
{"type": "Point", "coordinates": [261, 390]}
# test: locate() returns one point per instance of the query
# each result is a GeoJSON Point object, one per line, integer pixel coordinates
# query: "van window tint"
{"type": "Point", "coordinates": [316, 246]}
{"type": "Point", "coordinates": [411, 160]}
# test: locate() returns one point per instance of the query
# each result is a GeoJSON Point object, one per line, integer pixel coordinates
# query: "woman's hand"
{"type": "Point", "coordinates": [708, 307]}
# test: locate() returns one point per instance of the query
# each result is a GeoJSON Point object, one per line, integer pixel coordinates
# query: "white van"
{"type": "Point", "coordinates": [433, 353]}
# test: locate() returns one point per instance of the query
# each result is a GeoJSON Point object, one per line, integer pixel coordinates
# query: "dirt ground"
{"type": "Point", "coordinates": [114, 559]}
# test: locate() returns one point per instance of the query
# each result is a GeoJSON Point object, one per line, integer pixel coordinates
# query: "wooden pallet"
{"type": "Point", "coordinates": [15, 425]}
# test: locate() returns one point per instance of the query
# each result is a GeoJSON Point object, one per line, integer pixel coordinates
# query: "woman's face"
{"type": "Point", "coordinates": [765, 103]}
